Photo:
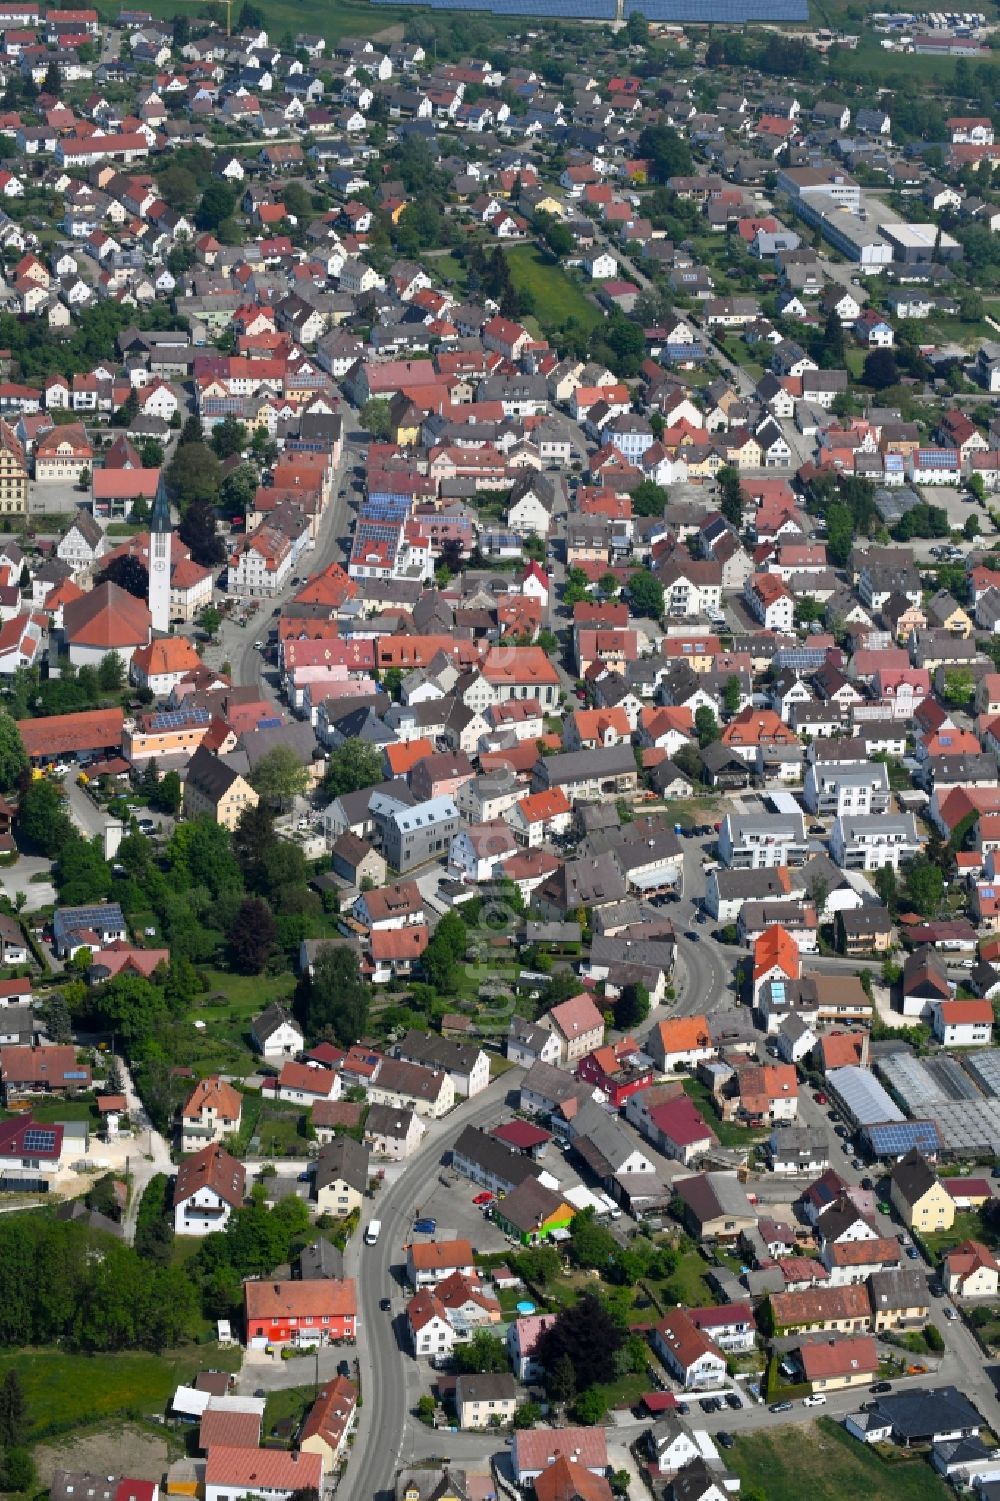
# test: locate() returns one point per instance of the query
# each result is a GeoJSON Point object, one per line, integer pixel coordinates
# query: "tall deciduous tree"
{"type": "Point", "coordinates": [334, 1000]}
{"type": "Point", "coordinates": [13, 756]}
{"type": "Point", "coordinates": [280, 776]}
{"type": "Point", "coordinates": [252, 936]}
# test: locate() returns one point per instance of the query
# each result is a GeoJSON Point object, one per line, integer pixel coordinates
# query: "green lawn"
{"type": "Point", "coordinates": [290, 1404]}
{"type": "Point", "coordinates": [557, 296]}
{"type": "Point", "coordinates": [346, 18]}
{"type": "Point", "coordinates": [969, 1225]}
{"type": "Point", "coordinates": [728, 1132]}
{"type": "Point", "coordinates": [66, 1391]}
{"type": "Point", "coordinates": [246, 995]}
{"type": "Point", "coordinates": [827, 1465]}
{"type": "Point", "coordinates": [688, 1283]}
{"type": "Point", "coordinates": [60, 1110]}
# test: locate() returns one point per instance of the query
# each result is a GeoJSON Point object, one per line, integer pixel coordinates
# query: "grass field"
{"type": "Point", "coordinates": [827, 1464]}
{"type": "Point", "coordinates": [969, 1225]}
{"type": "Point", "coordinates": [289, 1405]}
{"type": "Point", "coordinates": [346, 18]}
{"type": "Point", "coordinates": [66, 1391]}
{"type": "Point", "coordinates": [557, 297]}
{"type": "Point", "coordinates": [728, 1132]}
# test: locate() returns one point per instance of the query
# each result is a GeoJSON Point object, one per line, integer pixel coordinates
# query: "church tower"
{"type": "Point", "coordinates": [159, 562]}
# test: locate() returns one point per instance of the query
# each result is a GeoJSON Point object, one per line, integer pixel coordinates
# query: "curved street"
{"type": "Point", "coordinates": [383, 1358]}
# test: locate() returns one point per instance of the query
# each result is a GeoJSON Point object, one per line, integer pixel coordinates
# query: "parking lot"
{"type": "Point", "coordinates": [450, 1202]}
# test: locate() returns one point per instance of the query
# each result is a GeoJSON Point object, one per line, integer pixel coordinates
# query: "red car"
{"type": "Point", "coordinates": [484, 1198]}
{"type": "Point", "coordinates": [819, 1097]}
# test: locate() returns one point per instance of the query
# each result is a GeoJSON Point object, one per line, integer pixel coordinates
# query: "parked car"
{"type": "Point", "coordinates": [951, 1315]}
{"type": "Point", "coordinates": [725, 1439]}
{"type": "Point", "coordinates": [385, 1304]}
{"type": "Point", "coordinates": [425, 1227]}
{"type": "Point", "coordinates": [780, 1407]}
{"type": "Point", "coordinates": [817, 1399]}
{"type": "Point", "coordinates": [733, 1401]}
{"type": "Point", "coordinates": [881, 1386]}
{"type": "Point", "coordinates": [706, 1404]}
{"type": "Point", "coordinates": [819, 1097]}
{"type": "Point", "coordinates": [484, 1198]}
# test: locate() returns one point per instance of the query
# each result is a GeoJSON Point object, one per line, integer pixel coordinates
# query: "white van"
{"type": "Point", "coordinates": [816, 1400]}
{"type": "Point", "coordinates": [373, 1232]}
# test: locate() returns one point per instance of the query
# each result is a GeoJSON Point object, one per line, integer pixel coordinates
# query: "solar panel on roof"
{"type": "Point", "coordinates": [37, 1139]}
{"type": "Point", "coordinates": [899, 1136]}
{"type": "Point", "coordinates": [176, 719]}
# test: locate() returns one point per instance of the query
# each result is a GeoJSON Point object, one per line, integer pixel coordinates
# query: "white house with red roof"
{"type": "Point", "coordinates": [577, 1025]}
{"type": "Point", "coordinates": [971, 1271]}
{"type": "Point", "coordinates": [108, 619]}
{"type": "Point", "coordinates": [963, 1023]}
{"type": "Point", "coordinates": [535, 582]}
{"type": "Point", "coordinates": [688, 1354]}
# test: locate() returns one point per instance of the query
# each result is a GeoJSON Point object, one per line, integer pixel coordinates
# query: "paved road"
{"type": "Point", "coordinates": [384, 1364]}
{"type": "Point", "coordinates": [235, 643]}
{"type": "Point", "coordinates": [152, 1154]}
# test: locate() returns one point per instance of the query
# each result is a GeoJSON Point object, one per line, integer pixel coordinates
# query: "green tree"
{"type": "Point", "coordinates": [19, 1473]}
{"type": "Point", "coordinates": [128, 573]}
{"type": "Point", "coordinates": [924, 885]}
{"type": "Point", "coordinates": [375, 418]}
{"type": "Point", "coordinates": [884, 881]}
{"type": "Point", "coordinates": [667, 152]}
{"type": "Point", "coordinates": [633, 1007]}
{"type": "Point", "coordinates": [646, 594]}
{"type": "Point", "coordinates": [590, 1408]}
{"type": "Point", "coordinates": [730, 495]}
{"type": "Point", "coordinates": [13, 1411]}
{"type": "Point", "coordinates": [732, 693]}
{"type": "Point", "coordinates": [218, 202]}
{"type": "Point", "coordinates": [238, 489]}
{"type": "Point", "coordinates": [209, 619]}
{"type": "Point", "coordinates": [585, 1333]}
{"type": "Point", "coordinates": [527, 1415]}
{"type": "Point", "coordinates": [197, 528]}
{"type": "Point", "coordinates": [42, 817]}
{"type": "Point", "coordinates": [251, 936]}
{"type": "Point", "coordinates": [649, 499]}
{"type": "Point", "coordinates": [133, 1008]}
{"type": "Point", "coordinates": [560, 1379]}
{"type": "Point", "coordinates": [880, 369]}
{"type": "Point", "coordinates": [229, 437]}
{"type": "Point", "coordinates": [55, 1012]}
{"type": "Point", "coordinates": [484, 1352]}
{"type": "Point", "coordinates": [333, 1001]}
{"type": "Point", "coordinates": [194, 475]}
{"type": "Point", "coordinates": [591, 1245]}
{"type": "Point", "coordinates": [351, 767]}
{"type": "Point", "coordinates": [168, 795]}
{"type": "Point", "coordinates": [706, 726]}
{"type": "Point", "coordinates": [280, 776]}
{"type": "Point", "coordinates": [444, 951]}
{"type": "Point", "coordinates": [178, 187]}
{"type": "Point", "coordinates": [13, 756]}
{"type": "Point", "coordinates": [111, 672]}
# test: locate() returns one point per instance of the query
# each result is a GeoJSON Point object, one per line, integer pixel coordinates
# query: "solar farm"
{"type": "Point", "coordinates": [723, 12]}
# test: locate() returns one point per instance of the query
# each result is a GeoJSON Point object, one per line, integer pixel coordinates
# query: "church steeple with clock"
{"type": "Point", "coordinates": [159, 562]}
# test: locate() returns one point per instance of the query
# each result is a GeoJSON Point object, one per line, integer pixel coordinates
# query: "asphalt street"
{"type": "Point", "coordinates": [386, 1368]}
{"type": "Point", "coordinates": [235, 643]}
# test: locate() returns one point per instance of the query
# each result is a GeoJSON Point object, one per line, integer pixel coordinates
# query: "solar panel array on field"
{"type": "Point", "coordinates": [733, 12]}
